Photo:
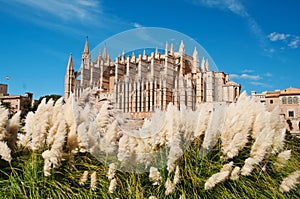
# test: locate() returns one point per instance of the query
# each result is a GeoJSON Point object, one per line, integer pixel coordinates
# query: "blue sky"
{"type": "Point", "coordinates": [257, 42]}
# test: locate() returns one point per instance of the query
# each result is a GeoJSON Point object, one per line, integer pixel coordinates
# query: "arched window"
{"type": "Point", "coordinates": [295, 100]}
{"type": "Point", "coordinates": [284, 100]}
{"type": "Point", "coordinates": [290, 100]}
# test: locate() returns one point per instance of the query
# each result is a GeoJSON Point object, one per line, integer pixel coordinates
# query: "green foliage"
{"type": "Point", "coordinates": [54, 97]}
{"type": "Point", "coordinates": [24, 178]}
{"type": "Point", "coordinates": [26, 106]}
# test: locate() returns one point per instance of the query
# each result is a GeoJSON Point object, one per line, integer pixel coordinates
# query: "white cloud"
{"type": "Point", "coordinates": [80, 17]}
{"type": "Point", "coordinates": [290, 40]}
{"type": "Point", "coordinates": [236, 7]}
{"type": "Point", "coordinates": [247, 71]}
{"type": "Point", "coordinates": [67, 10]}
{"type": "Point", "coordinates": [244, 76]}
{"type": "Point", "coordinates": [294, 43]}
{"type": "Point", "coordinates": [274, 36]}
{"type": "Point", "coordinates": [234, 76]}
{"type": "Point", "coordinates": [261, 84]}
{"type": "Point", "coordinates": [268, 74]}
{"type": "Point", "coordinates": [137, 25]}
{"type": "Point", "coordinates": [252, 77]}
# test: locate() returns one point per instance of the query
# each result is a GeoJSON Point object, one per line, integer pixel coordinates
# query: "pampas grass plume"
{"type": "Point", "coordinates": [283, 158]}
{"type": "Point", "coordinates": [169, 187]}
{"type": "Point", "coordinates": [94, 181]}
{"type": "Point", "coordinates": [112, 186]}
{"type": "Point", "coordinates": [5, 151]}
{"type": "Point", "coordinates": [155, 176]}
{"type": "Point", "coordinates": [111, 171]}
{"type": "Point", "coordinates": [289, 183]}
{"type": "Point", "coordinates": [84, 177]}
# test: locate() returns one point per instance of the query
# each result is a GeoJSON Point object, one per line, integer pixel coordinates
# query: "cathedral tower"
{"type": "Point", "coordinates": [69, 78]}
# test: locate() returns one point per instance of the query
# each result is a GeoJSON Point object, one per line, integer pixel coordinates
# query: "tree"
{"type": "Point", "coordinates": [25, 107]}
{"type": "Point", "coordinates": [54, 97]}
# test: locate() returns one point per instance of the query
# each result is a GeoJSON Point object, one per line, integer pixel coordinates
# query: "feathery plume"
{"type": "Point", "coordinates": [218, 177]}
{"type": "Point", "coordinates": [112, 186]}
{"type": "Point", "coordinates": [3, 123]}
{"type": "Point", "coordinates": [282, 158]}
{"type": "Point", "coordinates": [213, 131]}
{"type": "Point", "coordinates": [289, 183]}
{"type": "Point", "coordinates": [111, 171]}
{"type": "Point", "coordinates": [154, 176]}
{"type": "Point", "coordinates": [84, 177]}
{"type": "Point", "coordinates": [176, 179]}
{"type": "Point", "coordinates": [94, 181]}
{"type": "Point", "coordinates": [238, 124]}
{"type": "Point", "coordinates": [235, 173]}
{"type": "Point", "coordinates": [277, 123]}
{"type": "Point", "coordinates": [259, 149]}
{"type": "Point", "coordinates": [12, 129]}
{"type": "Point", "coordinates": [202, 121]}
{"type": "Point", "coordinates": [5, 151]}
{"type": "Point", "coordinates": [169, 187]}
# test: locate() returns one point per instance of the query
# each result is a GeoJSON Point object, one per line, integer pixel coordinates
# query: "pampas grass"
{"type": "Point", "coordinates": [93, 184]}
{"type": "Point", "coordinates": [5, 151]}
{"type": "Point", "coordinates": [84, 177]}
{"type": "Point", "coordinates": [283, 158]}
{"type": "Point", "coordinates": [199, 142]}
{"type": "Point", "coordinates": [219, 177]}
{"type": "Point", "coordinates": [112, 186]}
{"type": "Point", "coordinates": [289, 183]}
{"type": "Point", "coordinates": [155, 176]}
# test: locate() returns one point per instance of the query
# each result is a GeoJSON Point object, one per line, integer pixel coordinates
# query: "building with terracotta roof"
{"type": "Point", "coordinates": [288, 102]}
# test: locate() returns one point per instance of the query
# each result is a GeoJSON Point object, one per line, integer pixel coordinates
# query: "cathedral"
{"type": "Point", "coordinates": [139, 84]}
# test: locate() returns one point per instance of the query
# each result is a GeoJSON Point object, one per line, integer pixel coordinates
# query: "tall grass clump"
{"type": "Point", "coordinates": [85, 149]}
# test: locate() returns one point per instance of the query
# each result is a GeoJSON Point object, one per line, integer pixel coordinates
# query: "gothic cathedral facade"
{"type": "Point", "coordinates": [143, 83]}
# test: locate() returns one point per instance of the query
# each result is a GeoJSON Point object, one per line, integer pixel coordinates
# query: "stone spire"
{"type": "Point", "coordinates": [123, 56]}
{"type": "Point", "coordinates": [144, 54]}
{"type": "Point", "coordinates": [206, 65]}
{"type": "Point", "coordinates": [156, 53]}
{"type": "Point", "coordinates": [166, 48]}
{"type": "Point", "coordinates": [133, 58]}
{"type": "Point", "coordinates": [86, 47]}
{"type": "Point", "coordinates": [172, 49]}
{"type": "Point", "coordinates": [181, 47]}
{"type": "Point", "coordinates": [195, 60]}
{"type": "Point", "coordinates": [69, 78]}
{"type": "Point", "coordinates": [86, 56]}
{"type": "Point", "coordinates": [202, 64]}
{"type": "Point", "coordinates": [104, 54]}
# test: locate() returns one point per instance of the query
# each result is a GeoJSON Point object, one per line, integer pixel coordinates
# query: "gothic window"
{"type": "Point", "coordinates": [284, 100]}
{"type": "Point", "coordinates": [291, 113]}
{"type": "Point", "coordinates": [271, 101]}
{"type": "Point", "coordinates": [290, 100]}
{"type": "Point", "coordinates": [295, 100]}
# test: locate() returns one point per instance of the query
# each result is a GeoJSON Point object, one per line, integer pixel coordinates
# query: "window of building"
{"type": "Point", "coordinates": [290, 100]}
{"type": "Point", "coordinates": [284, 100]}
{"type": "Point", "coordinates": [291, 113]}
{"type": "Point", "coordinates": [271, 101]}
{"type": "Point", "coordinates": [295, 99]}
